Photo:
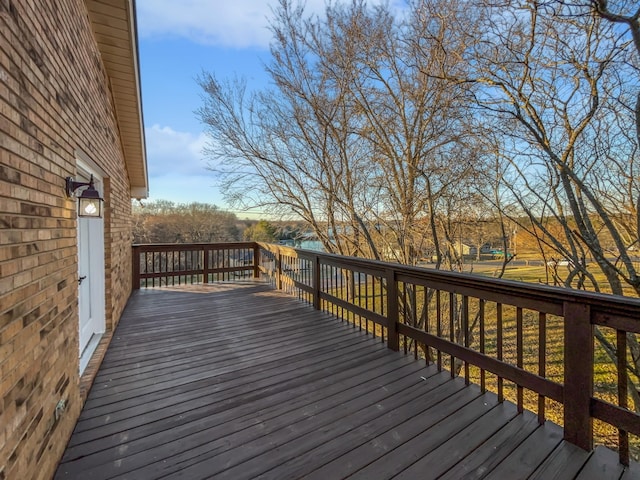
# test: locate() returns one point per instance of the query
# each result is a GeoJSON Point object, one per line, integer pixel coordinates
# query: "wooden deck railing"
{"type": "Point", "coordinates": [549, 349]}
{"type": "Point", "coordinates": [178, 263]}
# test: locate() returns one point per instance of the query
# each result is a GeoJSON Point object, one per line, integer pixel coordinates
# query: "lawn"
{"type": "Point", "coordinates": [538, 274]}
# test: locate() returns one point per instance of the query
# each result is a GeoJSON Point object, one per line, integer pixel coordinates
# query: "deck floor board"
{"type": "Point", "coordinates": [241, 381]}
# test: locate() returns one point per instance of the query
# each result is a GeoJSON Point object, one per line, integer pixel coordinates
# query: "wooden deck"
{"type": "Point", "coordinates": [241, 381]}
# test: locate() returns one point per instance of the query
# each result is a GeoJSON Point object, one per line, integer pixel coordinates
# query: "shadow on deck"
{"type": "Point", "coordinates": [242, 381]}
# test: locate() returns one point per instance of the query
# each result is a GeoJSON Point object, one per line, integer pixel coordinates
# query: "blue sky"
{"type": "Point", "coordinates": [177, 41]}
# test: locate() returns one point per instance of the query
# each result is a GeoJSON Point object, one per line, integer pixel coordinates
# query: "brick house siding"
{"type": "Point", "coordinates": [55, 101]}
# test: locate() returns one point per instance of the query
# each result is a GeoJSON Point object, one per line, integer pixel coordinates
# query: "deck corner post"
{"type": "Point", "coordinates": [316, 282]}
{"type": "Point", "coordinates": [256, 260]}
{"type": "Point", "coordinates": [135, 267]}
{"type": "Point", "coordinates": [578, 374]}
{"type": "Point", "coordinates": [393, 341]}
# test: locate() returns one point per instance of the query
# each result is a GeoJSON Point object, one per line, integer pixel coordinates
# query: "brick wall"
{"type": "Point", "coordinates": [54, 100]}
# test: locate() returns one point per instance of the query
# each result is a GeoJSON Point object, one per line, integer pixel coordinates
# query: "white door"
{"type": "Point", "coordinates": [91, 281]}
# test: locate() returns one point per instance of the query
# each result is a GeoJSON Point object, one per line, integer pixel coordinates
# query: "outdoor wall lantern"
{"type": "Point", "coordinates": [89, 200]}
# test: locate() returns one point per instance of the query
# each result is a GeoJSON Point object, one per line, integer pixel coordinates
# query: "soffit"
{"type": "Point", "coordinates": [114, 27]}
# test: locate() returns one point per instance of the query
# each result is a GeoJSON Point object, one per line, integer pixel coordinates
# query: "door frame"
{"type": "Point", "coordinates": [96, 267]}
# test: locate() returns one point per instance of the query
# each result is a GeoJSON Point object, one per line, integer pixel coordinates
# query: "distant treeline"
{"type": "Point", "coordinates": [163, 221]}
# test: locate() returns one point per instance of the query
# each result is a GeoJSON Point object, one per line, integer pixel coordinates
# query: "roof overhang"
{"type": "Point", "coordinates": [115, 31]}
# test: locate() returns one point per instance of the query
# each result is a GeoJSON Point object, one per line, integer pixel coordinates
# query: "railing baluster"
{"type": "Point", "coordinates": [519, 357]}
{"type": "Point", "coordinates": [195, 261]}
{"type": "Point", "coordinates": [344, 292]}
{"type": "Point", "coordinates": [427, 327]}
{"type": "Point", "coordinates": [392, 311]}
{"type": "Point", "coordinates": [405, 314]}
{"type": "Point", "coordinates": [279, 270]}
{"type": "Point", "coordinates": [414, 308]}
{"type": "Point", "coordinates": [165, 264]}
{"type": "Point", "coordinates": [383, 305]}
{"type": "Point", "coordinates": [334, 276]}
{"type": "Point", "coordinates": [499, 349]}
{"type": "Point", "coordinates": [178, 268]}
{"type": "Point", "coordinates": [359, 301]}
{"type": "Point", "coordinates": [173, 266]}
{"type": "Point", "coordinates": [452, 305]}
{"type": "Point", "coordinates": [256, 261]}
{"type": "Point", "coordinates": [316, 282]}
{"type": "Point", "coordinates": [366, 302]}
{"type": "Point", "coordinates": [375, 309]}
{"type": "Point", "coordinates": [483, 386]}
{"type": "Point", "coordinates": [542, 362]}
{"type": "Point", "coordinates": [205, 267]}
{"type": "Point", "coordinates": [439, 327]}
{"type": "Point", "coordinates": [322, 281]}
{"type": "Point", "coordinates": [164, 268]}
{"type": "Point", "coordinates": [623, 392]}
{"type": "Point", "coordinates": [214, 263]}
{"type": "Point", "coordinates": [228, 253]}
{"type": "Point", "coordinates": [465, 326]}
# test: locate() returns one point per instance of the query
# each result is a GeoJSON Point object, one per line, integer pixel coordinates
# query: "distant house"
{"type": "Point", "coordinates": [69, 107]}
{"type": "Point", "coordinates": [463, 249]}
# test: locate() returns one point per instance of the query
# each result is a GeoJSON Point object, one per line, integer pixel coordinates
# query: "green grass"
{"type": "Point", "coordinates": [536, 274]}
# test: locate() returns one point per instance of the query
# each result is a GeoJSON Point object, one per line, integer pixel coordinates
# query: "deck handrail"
{"type": "Point", "coordinates": [431, 312]}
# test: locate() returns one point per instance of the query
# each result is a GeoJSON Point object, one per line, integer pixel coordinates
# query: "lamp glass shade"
{"type": "Point", "coordinates": [89, 207]}
{"type": "Point", "coordinates": [89, 199]}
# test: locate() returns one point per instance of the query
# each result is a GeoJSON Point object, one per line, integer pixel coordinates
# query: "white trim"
{"type": "Point", "coordinates": [93, 229]}
{"type": "Point", "coordinates": [87, 166]}
{"type": "Point", "coordinates": [88, 351]}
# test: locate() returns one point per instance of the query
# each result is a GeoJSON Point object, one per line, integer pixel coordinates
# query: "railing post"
{"type": "Point", "coordinates": [578, 374]}
{"type": "Point", "coordinates": [393, 342]}
{"type": "Point", "coordinates": [205, 267]}
{"type": "Point", "coordinates": [256, 261]}
{"type": "Point", "coordinates": [316, 282]}
{"type": "Point", "coordinates": [135, 267]}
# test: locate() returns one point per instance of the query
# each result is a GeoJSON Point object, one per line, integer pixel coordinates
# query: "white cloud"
{"type": "Point", "coordinates": [170, 151]}
{"type": "Point", "coordinates": [235, 23]}
{"type": "Point", "coordinates": [177, 167]}
{"type": "Point", "coordinates": [186, 189]}
{"type": "Point", "coordinates": [226, 23]}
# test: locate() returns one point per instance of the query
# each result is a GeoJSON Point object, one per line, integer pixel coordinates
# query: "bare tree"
{"type": "Point", "coordinates": [163, 221]}
{"type": "Point", "coordinates": [354, 137]}
{"type": "Point", "coordinates": [295, 147]}
{"type": "Point", "coordinates": [550, 84]}
{"type": "Point", "coordinates": [556, 83]}
{"type": "Point", "coordinates": [628, 15]}
{"type": "Point", "coordinates": [415, 126]}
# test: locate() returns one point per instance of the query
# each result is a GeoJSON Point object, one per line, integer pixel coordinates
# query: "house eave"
{"type": "Point", "coordinates": [115, 31]}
